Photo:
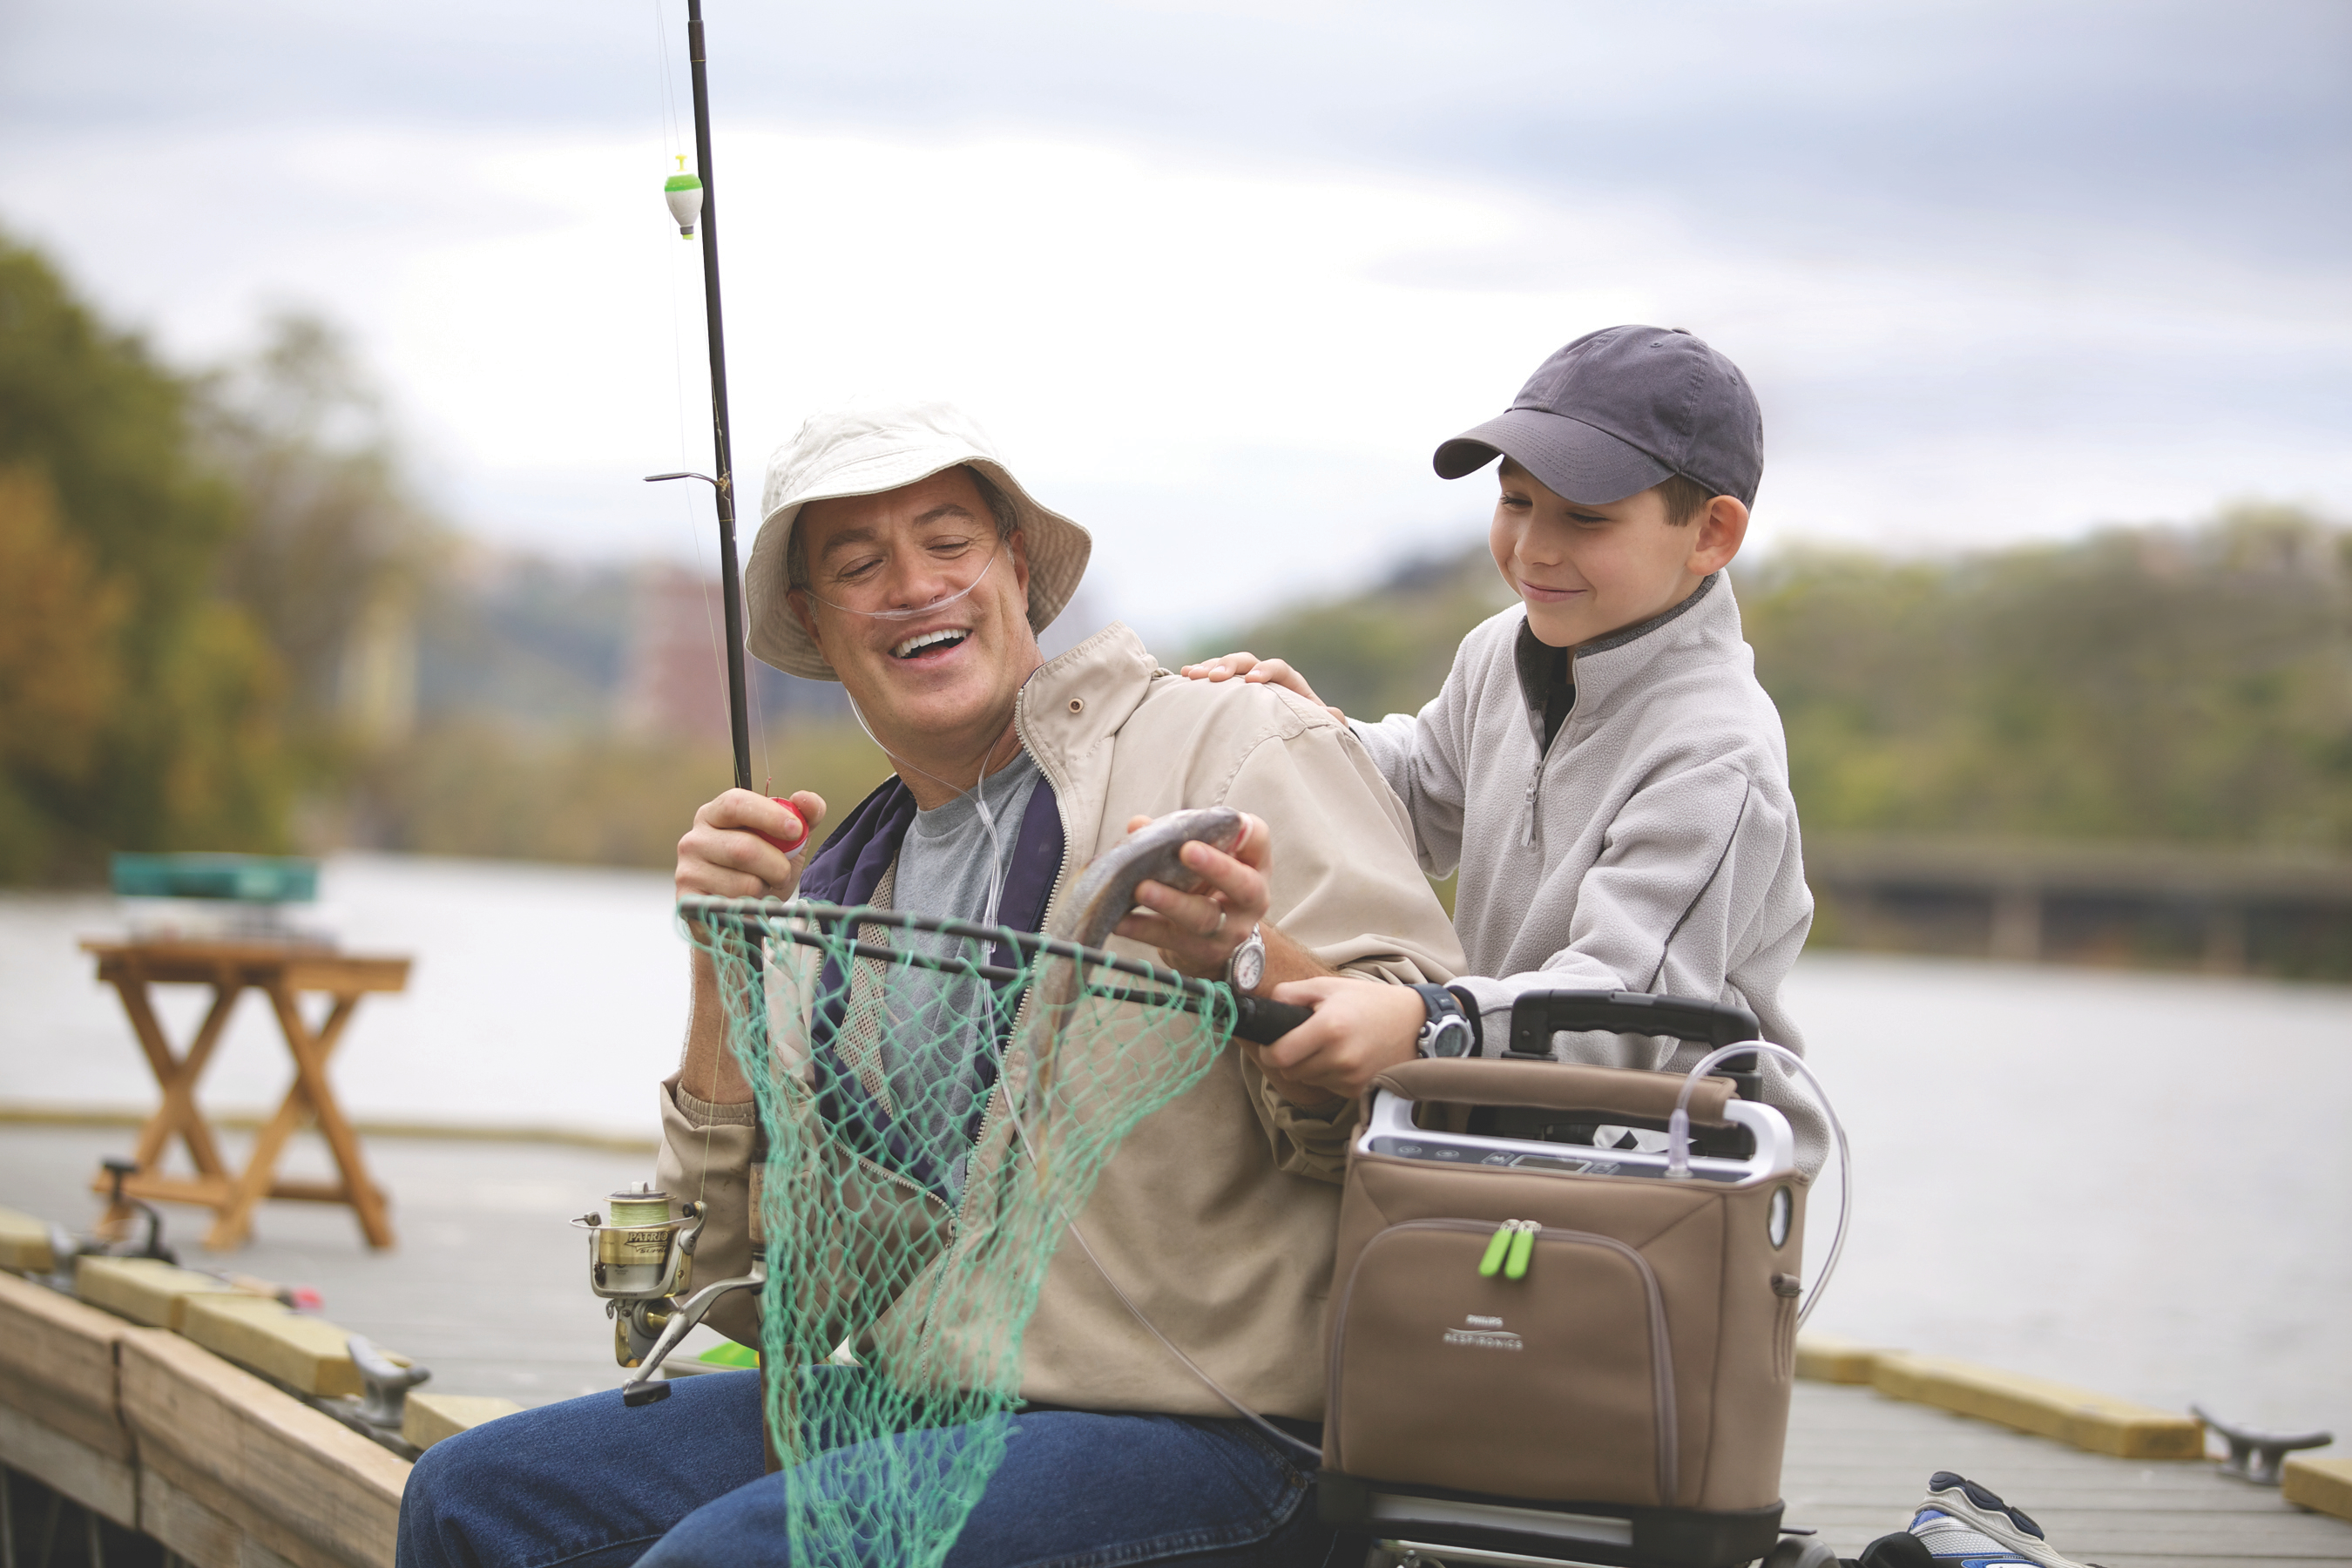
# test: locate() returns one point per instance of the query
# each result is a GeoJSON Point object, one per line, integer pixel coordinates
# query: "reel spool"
{"type": "Point", "coordinates": [637, 1262]}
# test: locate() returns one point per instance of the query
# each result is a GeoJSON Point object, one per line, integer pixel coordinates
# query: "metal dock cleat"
{"type": "Point", "coordinates": [2256, 1456]}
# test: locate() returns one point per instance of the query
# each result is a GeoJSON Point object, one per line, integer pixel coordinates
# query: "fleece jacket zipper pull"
{"type": "Point", "coordinates": [1547, 738]}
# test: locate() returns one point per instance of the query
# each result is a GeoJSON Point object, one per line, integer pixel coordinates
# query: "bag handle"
{"type": "Point", "coordinates": [1678, 1148]}
{"type": "Point", "coordinates": [1559, 1086]}
{"type": "Point", "coordinates": [1537, 1015]}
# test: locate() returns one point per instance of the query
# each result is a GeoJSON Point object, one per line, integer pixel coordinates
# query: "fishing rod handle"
{"type": "Point", "coordinates": [1263, 1022]}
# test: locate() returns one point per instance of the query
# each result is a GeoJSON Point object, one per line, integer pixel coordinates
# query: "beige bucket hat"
{"type": "Point", "coordinates": [862, 451]}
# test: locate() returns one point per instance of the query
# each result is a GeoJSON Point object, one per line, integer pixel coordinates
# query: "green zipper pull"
{"type": "Point", "coordinates": [1496, 1245]}
{"type": "Point", "coordinates": [1523, 1246]}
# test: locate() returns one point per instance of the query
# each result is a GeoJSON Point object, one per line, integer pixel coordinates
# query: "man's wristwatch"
{"type": "Point", "coordinates": [1447, 1032]}
{"type": "Point", "coordinates": [1247, 967]}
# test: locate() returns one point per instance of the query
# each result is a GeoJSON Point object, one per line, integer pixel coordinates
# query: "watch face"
{"type": "Point", "coordinates": [1248, 966]}
{"type": "Point", "coordinates": [1451, 1038]}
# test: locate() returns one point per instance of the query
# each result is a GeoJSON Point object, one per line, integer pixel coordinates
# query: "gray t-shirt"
{"type": "Point", "coordinates": [931, 1055]}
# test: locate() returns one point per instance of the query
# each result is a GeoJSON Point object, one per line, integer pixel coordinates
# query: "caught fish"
{"type": "Point", "coordinates": [1106, 891]}
{"type": "Point", "coordinates": [1105, 896]}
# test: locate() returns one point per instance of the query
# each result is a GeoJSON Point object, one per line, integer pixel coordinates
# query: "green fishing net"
{"type": "Point", "coordinates": [936, 1099]}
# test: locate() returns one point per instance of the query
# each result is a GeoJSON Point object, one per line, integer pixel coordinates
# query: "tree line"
{"type": "Point", "coordinates": [221, 600]}
{"type": "Point", "coordinates": [2159, 683]}
{"type": "Point", "coordinates": [2152, 683]}
{"type": "Point", "coordinates": [189, 564]}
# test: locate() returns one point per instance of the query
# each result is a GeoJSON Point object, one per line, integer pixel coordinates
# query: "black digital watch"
{"type": "Point", "coordinates": [1448, 1031]}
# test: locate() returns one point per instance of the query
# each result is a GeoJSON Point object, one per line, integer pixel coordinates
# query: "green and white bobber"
{"type": "Point", "coordinates": [684, 194]}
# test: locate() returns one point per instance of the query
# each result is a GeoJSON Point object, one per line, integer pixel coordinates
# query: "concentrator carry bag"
{"type": "Point", "coordinates": [1518, 1317]}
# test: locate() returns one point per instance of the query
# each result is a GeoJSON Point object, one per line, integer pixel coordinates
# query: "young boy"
{"type": "Point", "coordinates": [1606, 774]}
{"type": "Point", "coordinates": [1601, 766]}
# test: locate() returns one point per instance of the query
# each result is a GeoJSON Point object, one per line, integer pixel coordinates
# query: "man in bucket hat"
{"type": "Point", "coordinates": [899, 555]}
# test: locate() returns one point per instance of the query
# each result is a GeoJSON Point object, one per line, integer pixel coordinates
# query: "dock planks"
{"type": "Point", "coordinates": [1858, 1460]}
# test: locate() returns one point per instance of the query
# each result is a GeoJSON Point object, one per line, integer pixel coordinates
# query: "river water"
{"type": "Point", "coordinates": [2139, 1183]}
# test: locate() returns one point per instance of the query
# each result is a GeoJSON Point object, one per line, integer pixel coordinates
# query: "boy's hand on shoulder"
{"type": "Point", "coordinates": [1359, 1030]}
{"type": "Point", "coordinates": [1255, 672]}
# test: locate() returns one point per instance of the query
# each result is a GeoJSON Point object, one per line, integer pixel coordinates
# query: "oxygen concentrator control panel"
{"type": "Point", "coordinates": [1599, 1162]}
{"type": "Point", "coordinates": [1389, 1130]}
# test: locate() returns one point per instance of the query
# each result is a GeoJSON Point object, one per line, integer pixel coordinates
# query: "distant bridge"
{"type": "Point", "coordinates": [2228, 911]}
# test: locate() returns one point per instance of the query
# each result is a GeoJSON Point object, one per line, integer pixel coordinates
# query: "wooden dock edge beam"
{"type": "Point", "coordinates": [24, 1244]}
{"type": "Point", "coordinates": [292, 1479]}
{"type": "Point", "coordinates": [2079, 1417]}
{"type": "Point", "coordinates": [426, 1418]}
{"type": "Point", "coordinates": [2323, 1486]}
{"type": "Point", "coordinates": [144, 1289]}
{"type": "Point", "coordinates": [149, 1429]}
{"type": "Point", "coordinates": [1824, 1358]}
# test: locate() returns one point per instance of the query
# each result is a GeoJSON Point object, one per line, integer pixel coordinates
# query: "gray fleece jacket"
{"type": "Point", "coordinates": [1652, 846]}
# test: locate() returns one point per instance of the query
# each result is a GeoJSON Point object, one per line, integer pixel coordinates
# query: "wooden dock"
{"type": "Point", "coordinates": [1858, 1460]}
{"type": "Point", "coordinates": [488, 1290]}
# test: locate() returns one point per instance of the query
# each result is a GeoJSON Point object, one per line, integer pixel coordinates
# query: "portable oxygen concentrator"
{"type": "Point", "coordinates": [1538, 1345]}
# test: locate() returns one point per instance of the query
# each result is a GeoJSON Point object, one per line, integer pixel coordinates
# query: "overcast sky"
{"type": "Point", "coordinates": [1220, 273]}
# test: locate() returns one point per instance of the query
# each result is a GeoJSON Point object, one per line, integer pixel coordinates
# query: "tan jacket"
{"type": "Point", "coordinates": [1218, 1213]}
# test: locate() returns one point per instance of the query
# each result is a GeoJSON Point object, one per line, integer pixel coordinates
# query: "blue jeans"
{"type": "Point", "coordinates": [590, 1483]}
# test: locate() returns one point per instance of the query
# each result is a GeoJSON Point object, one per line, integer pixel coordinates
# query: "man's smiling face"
{"type": "Point", "coordinates": [940, 682]}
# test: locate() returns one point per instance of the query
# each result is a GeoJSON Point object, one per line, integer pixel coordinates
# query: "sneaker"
{"type": "Point", "coordinates": [1964, 1525]}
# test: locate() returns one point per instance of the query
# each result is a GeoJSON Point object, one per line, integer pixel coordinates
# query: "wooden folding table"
{"type": "Point", "coordinates": [284, 972]}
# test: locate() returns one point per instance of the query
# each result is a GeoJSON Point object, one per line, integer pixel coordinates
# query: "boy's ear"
{"type": "Point", "coordinates": [1715, 535]}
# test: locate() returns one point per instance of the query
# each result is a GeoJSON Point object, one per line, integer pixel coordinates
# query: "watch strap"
{"type": "Point", "coordinates": [1445, 1018]}
{"type": "Point", "coordinates": [1470, 1010]}
{"type": "Point", "coordinates": [1254, 944]}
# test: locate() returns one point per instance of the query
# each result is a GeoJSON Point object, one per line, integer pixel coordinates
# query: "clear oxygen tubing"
{"type": "Point", "coordinates": [1677, 1160]}
{"type": "Point", "coordinates": [1678, 1146]}
{"type": "Point", "coordinates": [977, 790]}
{"type": "Point", "coordinates": [995, 890]}
{"type": "Point", "coordinates": [939, 602]}
{"type": "Point", "coordinates": [1070, 1222]}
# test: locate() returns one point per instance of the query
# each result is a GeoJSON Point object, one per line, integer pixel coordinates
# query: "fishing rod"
{"type": "Point", "coordinates": [690, 198]}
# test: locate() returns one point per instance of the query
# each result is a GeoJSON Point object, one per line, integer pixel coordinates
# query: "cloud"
{"type": "Point", "coordinates": [1221, 281]}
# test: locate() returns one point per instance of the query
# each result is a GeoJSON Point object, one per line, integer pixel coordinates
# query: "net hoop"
{"type": "Point", "coordinates": [772, 918]}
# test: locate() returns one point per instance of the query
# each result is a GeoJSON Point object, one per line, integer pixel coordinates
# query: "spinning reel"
{"type": "Point", "coordinates": [642, 1263]}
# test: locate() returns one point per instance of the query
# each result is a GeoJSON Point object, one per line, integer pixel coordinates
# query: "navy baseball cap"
{"type": "Point", "coordinates": [1620, 410]}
